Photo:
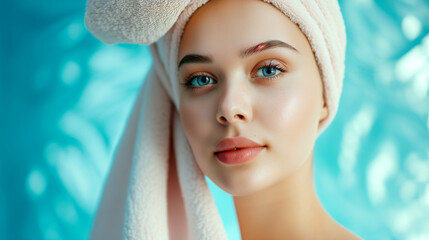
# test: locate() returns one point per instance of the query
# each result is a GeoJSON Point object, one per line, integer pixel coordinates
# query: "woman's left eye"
{"type": "Point", "coordinates": [268, 71]}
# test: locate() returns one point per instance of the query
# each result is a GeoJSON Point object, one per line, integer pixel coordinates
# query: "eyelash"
{"type": "Point", "coordinates": [187, 83]}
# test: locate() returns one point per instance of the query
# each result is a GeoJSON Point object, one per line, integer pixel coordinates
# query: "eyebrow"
{"type": "Point", "coordinates": [196, 58]}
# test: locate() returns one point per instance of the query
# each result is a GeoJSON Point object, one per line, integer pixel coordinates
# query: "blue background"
{"type": "Point", "coordinates": [65, 96]}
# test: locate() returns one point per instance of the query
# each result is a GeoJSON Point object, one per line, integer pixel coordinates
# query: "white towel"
{"type": "Point", "coordinates": [134, 201]}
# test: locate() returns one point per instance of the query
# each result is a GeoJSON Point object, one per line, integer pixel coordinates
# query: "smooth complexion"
{"type": "Point", "coordinates": [271, 94]}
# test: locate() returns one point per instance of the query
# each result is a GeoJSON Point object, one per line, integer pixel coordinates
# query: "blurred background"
{"type": "Point", "coordinates": [65, 97]}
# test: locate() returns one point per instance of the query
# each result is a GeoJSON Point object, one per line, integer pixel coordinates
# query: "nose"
{"type": "Point", "coordinates": [234, 105]}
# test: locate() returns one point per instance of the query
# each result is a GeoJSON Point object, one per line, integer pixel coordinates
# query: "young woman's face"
{"type": "Point", "coordinates": [271, 94]}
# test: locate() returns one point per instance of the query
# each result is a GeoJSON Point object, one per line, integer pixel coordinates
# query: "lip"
{"type": "Point", "coordinates": [237, 150]}
{"type": "Point", "coordinates": [228, 144]}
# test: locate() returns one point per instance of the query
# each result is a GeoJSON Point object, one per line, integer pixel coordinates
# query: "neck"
{"type": "Point", "coordinates": [289, 209]}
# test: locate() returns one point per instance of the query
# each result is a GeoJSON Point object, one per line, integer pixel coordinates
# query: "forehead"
{"type": "Point", "coordinates": [231, 25]}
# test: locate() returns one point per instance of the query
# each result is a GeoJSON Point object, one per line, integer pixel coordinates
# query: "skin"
{"type": "Point", "coordinates": [274, 194]}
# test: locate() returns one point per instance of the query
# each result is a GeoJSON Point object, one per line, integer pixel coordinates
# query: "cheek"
{"type": "Point", "coordinates": [196, 124]}
{"type": "Point", "coordinates": [291, 116]}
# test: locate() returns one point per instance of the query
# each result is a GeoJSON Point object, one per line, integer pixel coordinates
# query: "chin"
{"type": "Point", "coordinates": [239, 185]}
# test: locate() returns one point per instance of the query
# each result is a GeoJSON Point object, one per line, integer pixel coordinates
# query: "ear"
{"type": "Point", "coordinates": [324, 112]}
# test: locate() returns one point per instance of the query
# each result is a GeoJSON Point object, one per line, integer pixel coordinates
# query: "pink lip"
{"type": "Point", "coordinates": [237, 150]}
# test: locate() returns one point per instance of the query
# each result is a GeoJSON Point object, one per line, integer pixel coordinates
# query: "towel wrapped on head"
{"type": "Point", "coordinates": [142, 181]}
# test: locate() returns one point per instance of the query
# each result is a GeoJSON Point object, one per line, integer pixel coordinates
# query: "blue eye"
{"type": "Point", "coordinates": [202, 80]}
{"type": "Point", "coordinates": [268, 71]}
{"type": "Point", "coordinates": [199, 81]}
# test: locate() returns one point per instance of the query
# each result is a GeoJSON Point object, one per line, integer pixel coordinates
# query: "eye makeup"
{"type": "Point", "coordinates": [187, 83]}
{"type": "Point", "coordinates": [276, 66]}
{"type": "Point", "coordinates": [273, 65]}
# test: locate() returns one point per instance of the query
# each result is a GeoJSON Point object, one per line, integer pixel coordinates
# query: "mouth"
{"type": "Point", "coordinates": [236, 143]}
{"type": "Point", "coordinates": [237, 150]}
{"type": "Point", "coordinates": [238, 155]}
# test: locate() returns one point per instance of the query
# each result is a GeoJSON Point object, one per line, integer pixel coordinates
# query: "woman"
{"type": "Point", "coordinates": [251, 92]}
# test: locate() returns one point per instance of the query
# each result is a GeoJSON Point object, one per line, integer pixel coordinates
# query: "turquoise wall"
{"type": "Point", "coordinates": [65, 96]}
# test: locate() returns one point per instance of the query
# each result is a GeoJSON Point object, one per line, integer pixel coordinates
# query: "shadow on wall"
{"type": "Point", "coordinates": [65, 96]}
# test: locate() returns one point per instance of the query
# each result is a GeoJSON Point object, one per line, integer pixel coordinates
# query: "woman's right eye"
{"type": "Point", "coordinates": [199, 81]}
